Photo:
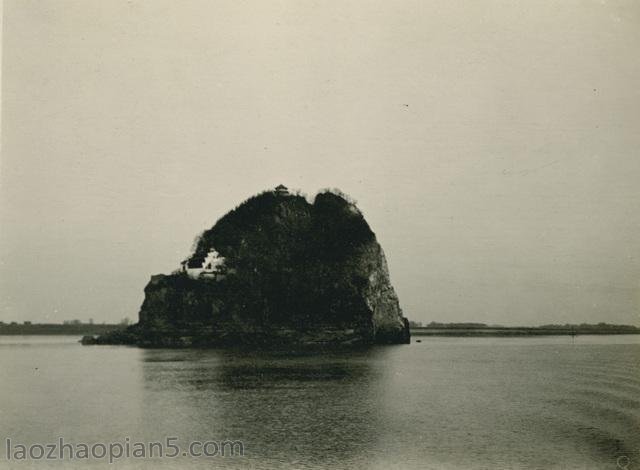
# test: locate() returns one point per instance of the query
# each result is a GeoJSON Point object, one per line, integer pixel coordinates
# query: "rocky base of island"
{"type": "Point", "coordinates": [274, 337]}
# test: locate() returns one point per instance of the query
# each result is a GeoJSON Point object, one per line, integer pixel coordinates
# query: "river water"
{"type": "Point", "coordinates": [541, 402]}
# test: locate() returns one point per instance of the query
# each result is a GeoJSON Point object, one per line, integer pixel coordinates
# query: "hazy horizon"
{"type": "Point", "coordinates": [491, 146]}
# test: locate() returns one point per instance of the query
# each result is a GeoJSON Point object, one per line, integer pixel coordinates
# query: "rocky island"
{"type": "Point", "coordinates": [276, 270]}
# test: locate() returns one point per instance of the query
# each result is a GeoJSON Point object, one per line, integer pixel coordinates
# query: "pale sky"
{"type": "Point", "coordinates": [491, 145]}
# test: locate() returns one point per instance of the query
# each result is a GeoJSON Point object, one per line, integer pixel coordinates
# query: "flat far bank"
{"type": "Point", "coordinates": [518, 331]}
{"type": "Point", "coordinates": [9, 329]}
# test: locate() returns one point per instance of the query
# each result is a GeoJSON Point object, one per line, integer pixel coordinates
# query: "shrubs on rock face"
{"type": "Point", "coordinates": [294, 266]}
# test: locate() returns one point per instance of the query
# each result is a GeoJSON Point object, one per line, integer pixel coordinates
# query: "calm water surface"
{"type": "Point", "coordinates": [542, 402]}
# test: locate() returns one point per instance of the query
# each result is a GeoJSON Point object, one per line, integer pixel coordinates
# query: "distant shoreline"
{"type": "Point", "coordinates": [519, 331]}
{"type": "Point", "coordinates": [8, 329]}
{"type": "Point", "coordinates": [14, 329]}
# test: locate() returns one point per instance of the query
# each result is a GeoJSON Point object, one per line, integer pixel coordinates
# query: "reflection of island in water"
{"type": "Point", "coordinates": [315, 408]}
{"type": "Point", "coordinates": [446, 403]}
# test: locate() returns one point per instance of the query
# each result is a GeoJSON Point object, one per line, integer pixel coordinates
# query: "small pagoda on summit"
{"type": "Point", "coordinates": [281, 190]}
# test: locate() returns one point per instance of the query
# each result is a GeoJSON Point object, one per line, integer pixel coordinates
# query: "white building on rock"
{"type": "Point", "coordinates": [211, 266]}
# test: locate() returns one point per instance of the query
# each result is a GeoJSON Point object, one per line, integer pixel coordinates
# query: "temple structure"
{"type": "Point", "coordinates": [282, 190]}
{"type": "Point", "coordinates": [211, 266]}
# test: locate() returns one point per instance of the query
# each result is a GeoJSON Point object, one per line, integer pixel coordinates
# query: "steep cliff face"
{"type": "Point", "coordinates": [297, 273]}
{"type": "Point", "coordinates": [390, 326]}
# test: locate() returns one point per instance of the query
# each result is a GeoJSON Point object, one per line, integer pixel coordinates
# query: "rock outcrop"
{"type": "Point", "coordinates": [295, 273]}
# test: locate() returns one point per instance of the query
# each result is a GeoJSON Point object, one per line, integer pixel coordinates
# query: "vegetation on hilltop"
{"type": "Point", "coordinates": [293, 267]}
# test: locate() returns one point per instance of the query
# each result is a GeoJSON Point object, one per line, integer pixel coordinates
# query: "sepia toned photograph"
{"type": "Point", "coordinates": [320, 234]}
